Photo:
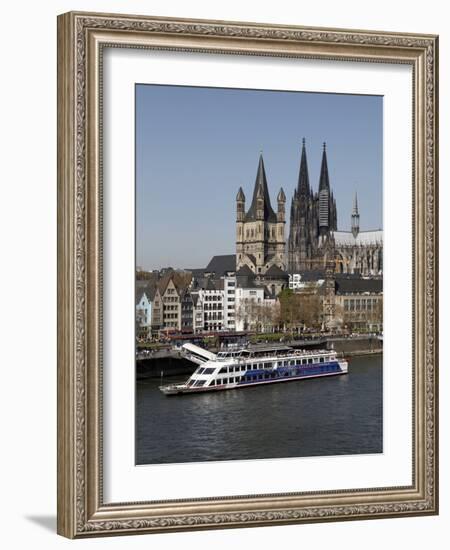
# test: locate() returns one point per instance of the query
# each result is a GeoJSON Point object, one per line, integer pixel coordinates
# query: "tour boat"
{"type": "Point", "coordinates": [246, 367]}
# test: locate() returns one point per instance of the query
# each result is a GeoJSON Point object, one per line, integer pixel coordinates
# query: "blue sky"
{"type": "Point", "coordinates": [196, 146]}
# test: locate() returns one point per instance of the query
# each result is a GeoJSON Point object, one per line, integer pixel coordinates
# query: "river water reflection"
{"type": "Point", "coordinates": [323, 416]}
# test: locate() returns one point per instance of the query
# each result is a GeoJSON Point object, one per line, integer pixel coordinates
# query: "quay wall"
{"type": "Point", "coordinates": [170, 363]}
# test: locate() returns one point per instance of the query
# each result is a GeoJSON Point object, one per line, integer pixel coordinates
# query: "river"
{"type": "Point", "coordinates": [316, 417]}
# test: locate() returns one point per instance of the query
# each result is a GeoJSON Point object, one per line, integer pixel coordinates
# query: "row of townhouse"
{"type": "Point", "coordinates": [180, 303]}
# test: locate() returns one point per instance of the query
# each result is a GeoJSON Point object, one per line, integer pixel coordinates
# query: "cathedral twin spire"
{"type": "Point", "coordinates": [313, 215]}
{"type": "Point", "coordinates": [303, 176]}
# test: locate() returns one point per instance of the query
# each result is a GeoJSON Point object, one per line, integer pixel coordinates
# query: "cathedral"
{"type": "Point", "coordinates": [314, 237]}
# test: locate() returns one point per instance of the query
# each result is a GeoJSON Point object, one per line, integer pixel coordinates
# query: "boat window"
{"type": "Point", "coordinates": [321, 359]}
{"type": "Point", "coordinates": [199, 383]}
{"type": "Point", "coordinates": [208, 370]}
{"type": "Point", "coordinates": [223, 369]}
{"type": "Point", "coordinates": [310, 360]}
{"type": "Point", "coordinates": [231, 380]}
{"type": "Point", "coordinates": [200, 371]}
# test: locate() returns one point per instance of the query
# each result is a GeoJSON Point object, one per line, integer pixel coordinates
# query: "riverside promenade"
{"type": "Point", "coordinates": [169, 361]}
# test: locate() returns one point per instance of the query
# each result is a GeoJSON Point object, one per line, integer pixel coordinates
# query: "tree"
{"type": "Point", "coordinates": [257, 316]}
{"type": "Point", "coordinates": [299, 310]}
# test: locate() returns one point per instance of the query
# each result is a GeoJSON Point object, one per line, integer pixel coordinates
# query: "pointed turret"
{"type": "Point", "coordinates": [281, 201]}
{"type": "Point", "coordinates": [355, 217]}
{"type": "Point", "coordinates": [355, 205]}
{"type": "Point", "coordinates": [262, 190]}
{"type": "Point", "coordinates": [303, 176]}
{"type": "Point", "coordinates": [281, 197]}
{"type": "Point", "coordinates": [240, 205]}
{"type": "Point", "coordinates": [240, 197]}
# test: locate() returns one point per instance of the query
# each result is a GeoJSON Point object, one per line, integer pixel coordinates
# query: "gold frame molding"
{"type": "Point", "coordinates": [81, 37]}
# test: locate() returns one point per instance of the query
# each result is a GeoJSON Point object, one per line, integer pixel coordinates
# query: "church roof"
{"type": "Point", "coordinates": [197, 272]}
{"type": "Point", "coordinates": [276, 272]}
{"type": "Point", "coordinates": [220, 265]}
{"type": "Point", "coordinates": [347, 285]}
{"type": "Point", "coordinates": [261, 187]}
{"type": "Point", "coordinates": [245, 271]}
{"type": "Point", "coordinates": [346, 238]}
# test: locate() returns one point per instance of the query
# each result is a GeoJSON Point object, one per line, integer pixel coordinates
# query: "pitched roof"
{"type": "Point", "coordinates": [261, 188]}
{"type": "Point", "coordinates": [197, 272]}
{"type": "Point", "coordinates": [252, 258]}
{"type": "Point", "coordinates": [310, 275]}
{"type": "Point", "coordinates": [149, 292]}
{"type": "Point", "coordinates": [220, 265]}
{"type": "Point", "coordinates": [214, 284]}
{"type": "Point", "coordinates": [244, 271]}
{"type": "Point", "coordinates": [246, 282]}
{"type": "Point", "coordinates": [181, 280]}
{"type": "Point", "coordinates": [350, 285]}
{"type": "Point", "coordinates": [275, 272]}
{"type": "Point", "coordinates": [346, 238]}
{"type": "Point", "coordinates": [138, 294]}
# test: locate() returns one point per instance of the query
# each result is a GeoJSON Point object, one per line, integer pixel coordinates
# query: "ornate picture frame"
{"type": "Point", "coordinates": [82, 38]}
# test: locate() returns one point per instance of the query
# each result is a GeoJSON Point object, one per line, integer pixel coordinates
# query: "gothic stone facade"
{"type": "Point", "coordinates": [260, 241]}
{"type": "Point", "coordinates": [314, 238]}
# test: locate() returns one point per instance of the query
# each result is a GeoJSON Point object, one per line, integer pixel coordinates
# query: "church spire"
{"type": "Point", "coordinates": [324, 195]}
{"type": "Point", "coordinates": [355, 217]}
{"type": "Point", "coordinates": [261, 191]}
{"type": "Point", "coordinates": [355, 205]}
{"type": "Point", "coordinates": [303, 177]}
{"type": "Point", "coordinates": [324, 182]}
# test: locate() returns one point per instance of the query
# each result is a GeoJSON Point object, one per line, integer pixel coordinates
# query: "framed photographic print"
{"type": "Point", "coordinates": [247, 285]}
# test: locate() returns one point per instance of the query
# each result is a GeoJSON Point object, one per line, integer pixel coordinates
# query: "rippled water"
{"type": "Point", "coordinates": [316, 417]}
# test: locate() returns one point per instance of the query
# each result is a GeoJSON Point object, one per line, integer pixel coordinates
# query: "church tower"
{"type": "Point", "coordinates": [326, 201]}
{"type": "Point", "coordinates": [303, 220]}
{"type": "Point", "coordinates": [260, 241]}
